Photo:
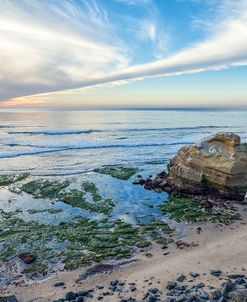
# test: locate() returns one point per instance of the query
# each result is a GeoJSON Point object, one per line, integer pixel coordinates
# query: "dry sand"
{"type": "Point", "coordinates": [219, 247]}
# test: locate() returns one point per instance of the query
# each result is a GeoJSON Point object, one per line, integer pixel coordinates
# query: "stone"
{"type": "Point", "coordinates": [27, 257]}
{"type": "Point", "coordinates": [194, 275]}
{"type": "Point", "coordinates": [59, 284]}
{"type": "Point", "coordinates": [215, 272]}
{"type": "Point", "coordinates": [229, 287]}
{"type": "Point", "coordinates": [170, 285]}
{"type": "Point", "coordinates": [216, 294]}
{"type": "Point", "coordinates": [8, 299]}
{"type": "Point", "coordinates": [70, 296]}
{"type": "Point", "coordinates": [215, 167]}
{"type": "Point", "coordinates": [181, 278]}
{"type": "Point", "coordinates": [238, 296]}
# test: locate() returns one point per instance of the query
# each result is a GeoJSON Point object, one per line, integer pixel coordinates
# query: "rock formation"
{"type": "Point", "coordinates": [216, 167]}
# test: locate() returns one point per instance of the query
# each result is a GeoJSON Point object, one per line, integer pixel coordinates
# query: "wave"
{"type": "Point", "coordinates": [71, 131]}
{"type": "Point", "coordinates": [44, 150]}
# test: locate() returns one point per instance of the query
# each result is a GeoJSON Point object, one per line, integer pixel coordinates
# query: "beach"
{"type": "Point", "coordinates": [217, 247]}
{"type": "Point", "coordinates": [73, 218]}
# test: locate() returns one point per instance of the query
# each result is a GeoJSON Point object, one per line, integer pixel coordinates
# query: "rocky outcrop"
{"type": "Point", "coordinates": [215, 166]}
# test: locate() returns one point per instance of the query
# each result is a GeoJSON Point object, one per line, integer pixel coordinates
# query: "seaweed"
{"type": "Point", "coordinates": [74, 243]}
{"type": "Point", "coordinates": [9, 179]}
{"type": "Point", "coordinates": [119, 172]}
{"type": "Point", "coordinates": [41, 188]}
{"type": "Point", "coordinates": [188, 209]}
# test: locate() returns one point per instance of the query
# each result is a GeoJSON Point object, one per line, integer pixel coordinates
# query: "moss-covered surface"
{"type": "Point", "coordinates": [157, 231]}
{"type": "Point", "coordinates": [88, 198]}
{"type": "Point", "coordinates": [119, 172]}
{"type": "Point", "coordinates": [9, 179]}
{"type": "Point", "coordinates": [50, 211]}
{"type": "Point", "coordinates": [191, 210]}
{"type": "Point", "coordinates": [41, 188]}
{"type": "Point", "coordinates": [81, 241]}
{"type": "Point", "coordinates": [79, 199]}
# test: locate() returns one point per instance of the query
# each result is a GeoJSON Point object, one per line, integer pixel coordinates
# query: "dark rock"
{"type": "Point", "coordinates": [216, 294]}
{"type": "Point", "coordinates": [80, 299]}
{"type": "Point", "coordinates": [27, 257]}
{"type": "Point", "coordinates": [235, 276]}
{"type": "Point", "coordinates": [204, 295]}
{"type": "Point", "coordinates": [238, 296]}
{"type": "Point", "coordinates": [59, 284]}
{"type": "Point", "coordinates": [170, 285]}
{"type": "Point", "coordinates": [194, 275]}
{"type": "Point", "coordinates": [215, 272]}
{"type": "Point", "coordinates": [100, 298]}
{"type": "Point", "coordinates": [240, 281]}
{"type": "Point", "coordinates": [200, 285]}
{"type": "Point", "coordinates": [99, 286]}
{"type": "Point", "coordinates": [148, 184]}
{"type": "Point", "coordinates": [114, 282]}
{"type": "Point", "coordinates": [229, 287]}
{"type": "Point", "coordinates": [70, 296]}
{"type": "Point", "coordinates": [8, 299]}
{"type": "Point", "coordinates": [181, 278]}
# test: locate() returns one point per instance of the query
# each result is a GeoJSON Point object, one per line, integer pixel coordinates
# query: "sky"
{"type": "Point", "coordinates": [96, 53]}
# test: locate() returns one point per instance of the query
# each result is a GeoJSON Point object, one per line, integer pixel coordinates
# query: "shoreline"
{"type": "Point", "coordinates": [217, 248]}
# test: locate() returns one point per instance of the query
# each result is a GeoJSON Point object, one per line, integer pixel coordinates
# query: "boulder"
{"type": "Point", "coordinates": [216, 166]}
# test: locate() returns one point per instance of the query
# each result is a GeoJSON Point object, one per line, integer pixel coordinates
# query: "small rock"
{"type": "Point", "coordinates": [170, 285]}
{"type": "Point", "coordinates": [229, 287]}
{"type": "Point", "coordinates": [59, 284]}
{"type": "Point", "coordinates": [70, 296]}
{"type": "Point", "coordinates": [216, 294]}
{"type": "Point", "coordinates": [194, 275]}
{"type": "Point", "coordinates": [215, 272]}
{"type": "Point", "coordinates": [27, 257]}
{"type": "Point", "coordinates": [8, 299]}
{"type": "Point", "coordinates": [181, 278]}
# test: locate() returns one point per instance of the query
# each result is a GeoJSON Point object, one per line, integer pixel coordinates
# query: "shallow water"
{"type": "Point", "coordinates": [69, 144]}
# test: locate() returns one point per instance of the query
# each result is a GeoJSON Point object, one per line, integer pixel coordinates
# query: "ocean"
{"type": "Point", "coordinates": [71, 144]}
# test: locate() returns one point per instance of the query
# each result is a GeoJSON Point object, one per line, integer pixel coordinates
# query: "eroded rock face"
{"type": "Point", "coordinates": [216, 166]}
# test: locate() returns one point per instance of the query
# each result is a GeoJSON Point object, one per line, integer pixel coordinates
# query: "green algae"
{"type": "Point", "coordinates": [157, 231]}
{"type": "Point", "coordinates": [75, 243]}
{"type": "Point", "coordinates": [91, 188]}
{"type": "Point", "coordinates": [191, 210]}
{"type": "Point", "coordinates": [119, 172]}
{"type": "Point", "coordinates": [50, 211]}
{"type": "Point", "coordinates": [78, 199]}
{"type": "Point", "coordinates": [41, 188]}
{"type": "Point", "coordinates": [9, 179]}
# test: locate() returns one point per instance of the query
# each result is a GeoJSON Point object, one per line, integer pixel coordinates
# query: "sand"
{"type": "Point", "coordinates": [219, 247]}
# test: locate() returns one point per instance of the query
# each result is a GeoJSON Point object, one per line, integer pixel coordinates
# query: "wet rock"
{"type": "Point", "coordinates": [238, 296]}
{"type": "Point", "coordinates": [80, 299]}
{"type": "Point", "coordinates": [148, 184]}
{"type": "Point", "coordinates": [26, 257]}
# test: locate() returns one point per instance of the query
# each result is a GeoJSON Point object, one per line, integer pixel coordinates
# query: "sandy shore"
{"type": "Point", "coordinates": [219, 247]}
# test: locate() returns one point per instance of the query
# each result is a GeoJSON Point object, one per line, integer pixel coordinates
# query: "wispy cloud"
{"type": "Point", "coordinates": [62, 48]}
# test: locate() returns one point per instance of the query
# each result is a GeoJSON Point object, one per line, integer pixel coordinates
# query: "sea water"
{"type": "Point", "coordinates": [71, 144]}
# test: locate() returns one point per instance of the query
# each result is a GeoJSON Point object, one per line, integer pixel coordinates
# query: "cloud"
{"type": "Point", "coordinates": [51, 45]}
{"type": "Point", "coordinates": [40, 58]}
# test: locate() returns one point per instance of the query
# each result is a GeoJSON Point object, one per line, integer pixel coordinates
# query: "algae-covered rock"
{"type": "Point", "coordinates": [6, 180]}
{"type": "Point", "coordinates": [119, 172]}
{"type": "Point", "coordinates": [73, 243]}
{"type": "Point", "coordinates": [216, 166]}
{"type": "Point", "coordinates": [42, 188]}
{"type": "Point", "coordinates": [188, 209]}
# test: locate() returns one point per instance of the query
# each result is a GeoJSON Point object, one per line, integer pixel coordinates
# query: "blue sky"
{"type": "Point", "coordinates": [123, 52]}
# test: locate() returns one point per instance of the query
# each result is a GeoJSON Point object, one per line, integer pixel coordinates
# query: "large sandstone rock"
{"type": "Point", "coordinates": [216, 166]}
